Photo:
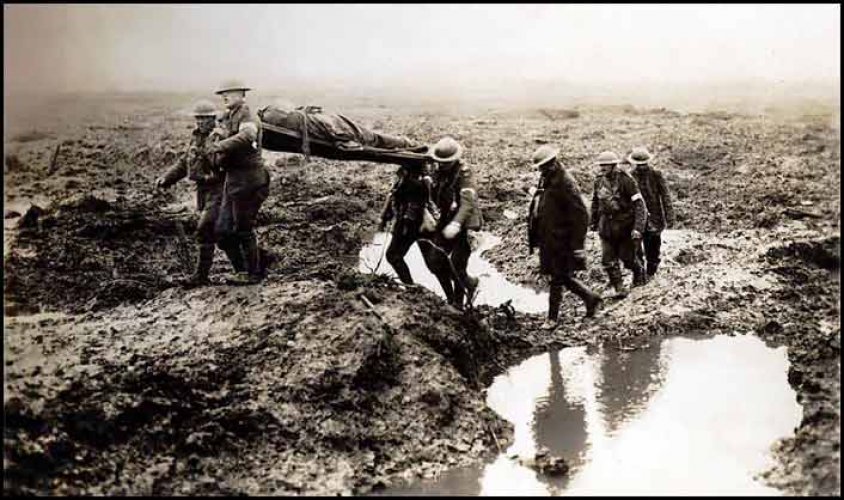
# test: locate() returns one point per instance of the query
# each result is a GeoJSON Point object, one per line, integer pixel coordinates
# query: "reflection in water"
{"type": "Point", "coordinates": [680, 417]}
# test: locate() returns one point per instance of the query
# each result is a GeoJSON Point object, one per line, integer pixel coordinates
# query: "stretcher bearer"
{"type": "Point", "coordinates": [247, 181]}
{"type": "Point", "coordinates": [658, 201]}
{"type": "Point", "coordinates": [453, 192]}
{"type": "Point", "coordinates": [618, 214]}
{"type": "Point", "coordinates": [209, 189]}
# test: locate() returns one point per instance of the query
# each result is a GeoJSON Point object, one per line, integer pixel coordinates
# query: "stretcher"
{"type": "Point", "coordinates": [281, 139]}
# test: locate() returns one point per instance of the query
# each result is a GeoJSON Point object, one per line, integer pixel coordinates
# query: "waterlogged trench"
{"type": "Point", "coordinates": [682, 416]}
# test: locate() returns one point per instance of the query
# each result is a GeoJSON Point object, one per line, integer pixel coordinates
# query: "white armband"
{"type": "Point", "coordinates": [637, 196]}
{"type": "Point", "coordinates": [250, 128]}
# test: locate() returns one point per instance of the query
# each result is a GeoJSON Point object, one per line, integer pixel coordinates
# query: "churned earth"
{"type": "Point", "coordinates": [119, 381]}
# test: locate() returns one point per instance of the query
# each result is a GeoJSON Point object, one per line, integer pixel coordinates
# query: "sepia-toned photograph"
{"type": "Point", "coordinates": [421, 249]}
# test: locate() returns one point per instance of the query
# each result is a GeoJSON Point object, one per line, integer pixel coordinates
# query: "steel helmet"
{"type": "Point", "coordinates": [543, 155]}
{"type": "Point", "coordinates": [231, 85]}
{"type": "Point", "coordinates": [608, 158]}
{"type": "Point", "coordinates": [639, 156]}
{"type": "Point", "coordinates": [204, 108]}
{"type": "Point", "coordinates": [447, 149]}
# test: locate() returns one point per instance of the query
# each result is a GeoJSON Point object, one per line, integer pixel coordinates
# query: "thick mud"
{"type": "Point", "coordinates": [117, 381]}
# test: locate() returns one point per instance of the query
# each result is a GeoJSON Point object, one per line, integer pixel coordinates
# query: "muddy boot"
{"type": "Point", "coordinates": [555, 297]}
{"type": "Point", "coordinates": [591, 299]}
{"type": "Point", "coordinates": [231, 246]}
{"type": "Point", "coordinates": [617, 282]}
{"type": "Point", "coordinates": [252, 274]}
{"type": "Point", "coordinates": [652, 267]}
{"type": "Point", "coordinates": [639, 278]}
{"type": "Point", "coordinates": [203, 267]}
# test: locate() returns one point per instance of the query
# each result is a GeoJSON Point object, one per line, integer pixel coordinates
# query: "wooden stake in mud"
{"type": "Point", "coordinates": [51, 169]}
{"type": "Point", "coordinates": [388, 330]}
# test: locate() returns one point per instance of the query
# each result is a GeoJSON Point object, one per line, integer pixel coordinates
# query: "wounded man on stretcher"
{"type": "Point", "coordinates": [313, 127]}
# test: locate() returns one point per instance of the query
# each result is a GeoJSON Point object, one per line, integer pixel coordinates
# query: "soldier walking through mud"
{"type": "Point", "coordinates": [658, 202]}
{"type": "Point", "coordinates": [557, 223]}
{"type": "Point", "coordinates": [456, 199]}
{"type": "Point", "coordinates": [209, 189]}
{"type": "Point", "coordinates": [247, 181]}
{"type": "Point", "coordinates": [618, 215]}
{"type": "Point", "coordinates": [409, 202]}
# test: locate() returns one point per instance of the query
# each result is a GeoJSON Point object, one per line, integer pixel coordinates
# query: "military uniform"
{"type": "Point", "coordinates": [455, 197]}
{"type": "Point", "coordinates": [406, 204]}
{"type": "Point", "coordinates": [557, 224]}
{"type": "Point", "coordinates": [246, 183]}
{"type": "Point", "coordinates": [617, 209]}
{"type": "Point", "coordinates": [660, 211]}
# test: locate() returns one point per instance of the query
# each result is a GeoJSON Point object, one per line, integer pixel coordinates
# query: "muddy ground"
{"type": "Point", "coordinates": [118, 381]}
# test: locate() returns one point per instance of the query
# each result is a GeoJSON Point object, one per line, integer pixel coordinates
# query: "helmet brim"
{"type": "Point", "coordinates": [454, 157]}
{"type": "Point", "coordinates": [221, 91]}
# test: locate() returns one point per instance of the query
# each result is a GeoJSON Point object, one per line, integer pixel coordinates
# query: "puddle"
{"type": "Point", "coordinates": [680, 417]}
{"type": "Point", "coordinates": [493, 289]}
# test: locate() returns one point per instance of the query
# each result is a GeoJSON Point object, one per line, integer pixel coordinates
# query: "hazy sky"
{"type": "Point", "coordinates": [192, 47]}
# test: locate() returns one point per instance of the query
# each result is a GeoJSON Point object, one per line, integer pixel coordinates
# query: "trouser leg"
{"type": "Point", "coordinates": [228, 240]}
{"type": "Point", "coordinates": [555, 297]}
{"type": "Point", "coordinates": [652, 242]}
{"type": "Point", "coordinates": [437, 263]}
{"type": "Point", "coordinates": [590, 299]}
{"type": "Point", "coordinates": [627, 252]}
{"type": "Point", "coordinates": [245, 213]}
{"type": "Point", "coordinates": [460, 253]}
{"type": "Point", "coordinates": [399, 245]}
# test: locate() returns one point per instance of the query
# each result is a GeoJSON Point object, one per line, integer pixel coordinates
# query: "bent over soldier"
{"type": "Point", "coordinates": [557, 224]}
{"type": "Point", "coordinates": [209, 189]}
{"type": "Point", "coordinates": [408, 199]}
{"type": "Point", "coordinates": [447, 249]}
{"type": "Point", "coordinates": [658, 202]}
{"type": "Point", "coordinates": [247, 180]}
{"type": "Point", "coordinates": [618, 214]}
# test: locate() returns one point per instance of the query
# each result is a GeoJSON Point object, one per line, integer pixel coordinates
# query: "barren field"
{"type": "Point", "coordinates": [117, 381]}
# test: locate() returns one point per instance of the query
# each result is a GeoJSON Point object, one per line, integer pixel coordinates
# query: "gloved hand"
{"type": "Point", "coordinates": [636, 235]}
{"type": "Point", "coordinates": [451, 230]}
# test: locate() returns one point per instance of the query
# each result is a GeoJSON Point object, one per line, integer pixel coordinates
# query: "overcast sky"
{"type": "Point", "coordinates": [192, 47]}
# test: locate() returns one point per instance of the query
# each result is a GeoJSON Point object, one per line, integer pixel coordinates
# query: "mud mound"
{"type": "Point", "coordinates": [85, 252]}
{"type": "Point", "coordinates": [825, 253]}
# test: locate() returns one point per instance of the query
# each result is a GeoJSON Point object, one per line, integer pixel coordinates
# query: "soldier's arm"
{"type": "Point", "coordinates": [245, 137]}
{"type": "Point", "coordinates": [667, 201]}
{"type": "Point", "coordinates": [176, 172]}
{"type": "Point", "coordinates": [468, 196]}
{"type": "Point", "coordinates": [632, 190]}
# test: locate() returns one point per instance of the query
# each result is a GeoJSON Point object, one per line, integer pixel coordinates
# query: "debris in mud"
{"type": "Point", "coordinates": [10, 214]}
{"type": "Point", "coordinates": [825, 253]}
{"type": "Point", "coordinates": [545, 463]}
{"type": "Point", "coordinates": [31, 217]}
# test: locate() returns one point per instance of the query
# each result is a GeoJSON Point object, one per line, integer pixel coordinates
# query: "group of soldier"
{"type": "Point", "coordinates": [434, 204]}
{"type": "Point", "coordinates": [629, 212]}
{"type": "Point", "coordinates": [224, 160]}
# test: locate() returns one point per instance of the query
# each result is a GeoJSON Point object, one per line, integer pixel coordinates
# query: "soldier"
{"type": "Point", "coordinates": [447, 249]}
{"type": "Point", "coordinates": [658, 202]}
{"type": "Point", "coordinates": [557, 224]}
{"type": "Point", "coordinates": [408, 200]}
{"type": "Point", "coordinates": [209, 190]}
{"type": "Point", "coordinates": [618, 214]}
{"type": "Point", "coordinates": [247, 180]}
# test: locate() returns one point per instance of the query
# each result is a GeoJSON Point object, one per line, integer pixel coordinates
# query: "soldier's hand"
{"type": "Point", "coordinates": [159, 183]}
{"type": "Point", "coordinates": [382, 225]}
{"type": "Point", "coordinates": [451, 230]}
{"type": "Point", "coordinates": [636, 235]}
